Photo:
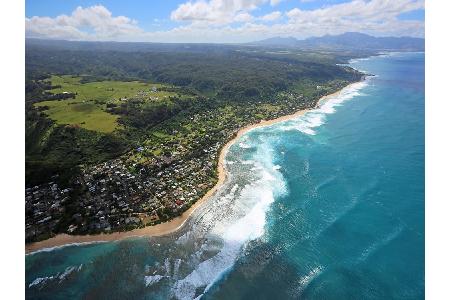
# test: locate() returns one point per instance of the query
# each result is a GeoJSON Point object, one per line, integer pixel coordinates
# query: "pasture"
{"type": "Point", "coordinates": [88, 109]}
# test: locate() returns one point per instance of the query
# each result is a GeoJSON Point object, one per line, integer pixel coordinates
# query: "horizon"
{"type": "Point", "coordinates": [217, 43]}
{"type": "Point", "coordinates": [220, 21]}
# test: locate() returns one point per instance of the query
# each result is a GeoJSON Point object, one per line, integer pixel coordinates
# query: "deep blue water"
{"type": "Point", "coordinates": [329, 205]}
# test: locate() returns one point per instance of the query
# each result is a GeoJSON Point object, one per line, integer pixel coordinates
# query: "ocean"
{"type": "Point", "coordinates": [328, 205]}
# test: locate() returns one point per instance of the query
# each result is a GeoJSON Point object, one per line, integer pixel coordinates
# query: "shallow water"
{"type": "Point", "coordinates": [329, 205]}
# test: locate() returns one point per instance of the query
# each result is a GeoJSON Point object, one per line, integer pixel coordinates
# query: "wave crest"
{"type": "Point", "coordinates": [317, 117]}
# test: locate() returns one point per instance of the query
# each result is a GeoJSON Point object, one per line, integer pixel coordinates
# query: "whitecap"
{"type": "Point", "coordinates": [244, 145]}
{"type": "Point", "coordinates": [49, 249]}
{"type": "Point", "coordinates": [152, 279]}
{"type": "Point", "coordinates": [244, 221]}
{"type": "Point", "coordinates": [305, 280]}
{"type": "Point", "coordinates": [317, 117]}
{"type": "Point", "coordinates": [41, 281]}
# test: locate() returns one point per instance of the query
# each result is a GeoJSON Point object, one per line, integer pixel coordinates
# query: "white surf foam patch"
{"type": "Point", "coordinates": [49, 249]}
{"type": "Point", "coordinates": [152, 279]}
{"type": "Point", "coordinates": [317, 117]}
{"type": "Point", "coordinates": [305, 280]}
{"type": "Point", "coordinates": [41, 281]}
{"type": "Point", "coordinates": [244, 142]}
{"type": "Point", "coordinates": [167, 266]}
{"type": "Point", "coordinates": [246, 222]}
{"type": "Point", "coordinates": [244, 145]}
{"type": "Point", "coordinates": [176, 267]}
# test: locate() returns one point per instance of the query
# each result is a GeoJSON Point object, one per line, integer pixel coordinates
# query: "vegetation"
{"type": "Point", "coordinates": [122, 127]}
{"type": "Point", "coordinates": [89, 107]}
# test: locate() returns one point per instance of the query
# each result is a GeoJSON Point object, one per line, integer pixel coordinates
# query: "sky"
{"type": "Point", "coordinates": [219, 21]}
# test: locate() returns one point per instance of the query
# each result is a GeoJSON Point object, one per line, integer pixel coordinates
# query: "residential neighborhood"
{"type": "Point", "coordinates": [152, 183]}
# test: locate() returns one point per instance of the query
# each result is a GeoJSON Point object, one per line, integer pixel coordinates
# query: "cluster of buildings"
{"type": "Point", "coordinates": [44, 208]}
{"type": "Point", "coordinates": [116, 196]}
{"type": "Point", "coordinates": [145, 94]}
{"type": "Point", "coordinates": [141, 188]}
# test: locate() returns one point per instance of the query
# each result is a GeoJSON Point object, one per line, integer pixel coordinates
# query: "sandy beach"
{"type": "Point", "coordinates": [176, 223]}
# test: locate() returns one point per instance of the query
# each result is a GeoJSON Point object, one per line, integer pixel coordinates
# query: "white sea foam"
{"type": "Point", "coordinates": [167, 266]}
{"type": "Point", "coordinates": [316, 117]}
{"type": "Point", "coordinates": [152, 279]}
{"type": "Point", "coordinates": [245, 222]}
{"type": "Point", "coordinates": [239, 216]}
{"type": "Point", "coordinates": [237, 213]}
{"type": "Point", "coordinates": [304, 281]}
{"type": "Point", "coordinates": [68, 271]}
{"type": "Point", "coordinates": [244, 145]}
{"type": "Point", "coordinates": [176, 267]}
{"type": "Point", "coordinates": [49, 249]}
{"type": "Point", "coordinates": [41, 281]}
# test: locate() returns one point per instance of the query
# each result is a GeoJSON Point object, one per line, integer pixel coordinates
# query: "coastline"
{"type": "Point", "coordinates": [63, 239]}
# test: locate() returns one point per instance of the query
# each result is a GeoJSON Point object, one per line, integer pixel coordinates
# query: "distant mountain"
{"type": "Point", "coordinates": [348, 41]}
{"type": "Point", "coordinates": [279, 41]}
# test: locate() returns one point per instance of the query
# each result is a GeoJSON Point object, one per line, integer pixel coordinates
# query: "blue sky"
{"type": "Point", "coordinates": [219, 20]}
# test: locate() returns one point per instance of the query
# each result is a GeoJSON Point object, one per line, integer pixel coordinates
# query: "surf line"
{"type": "Point", "coordinates": [173, 225]}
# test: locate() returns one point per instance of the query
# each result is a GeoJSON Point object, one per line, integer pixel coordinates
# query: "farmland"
{"type": "Point", "coordinates": [137, 153]}
{"type": "Point", "coordinates": [88, 108]}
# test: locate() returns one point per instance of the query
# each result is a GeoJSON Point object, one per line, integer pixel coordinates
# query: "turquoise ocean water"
{"type": "Point", "coordinates": [329, 205]}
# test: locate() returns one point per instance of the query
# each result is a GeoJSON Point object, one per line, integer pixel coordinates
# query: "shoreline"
{"type": "Point", "coordinates": [173, 225]}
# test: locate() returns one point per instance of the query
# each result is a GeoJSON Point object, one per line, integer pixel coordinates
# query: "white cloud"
{"type": "Point", "coordinates": [356, 10]}
{"type": "Point", "coordinates": [243, 17]}
{"type": "Point", "coordinates": [214, 11]}
{"type": "Point", "coordinates": [272, 16]}
{"type": "Point", "coordinates": [95, 22]}
{"type": "Point", "coordinates": [231, 21]}
{"type": "Point", "coordinates": [375, 17]}
{"type": "Point", "coordinates": [275, 2]}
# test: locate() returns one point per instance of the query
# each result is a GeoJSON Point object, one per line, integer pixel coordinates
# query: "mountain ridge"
{"type": "Point", "coordinates": [345, 41]}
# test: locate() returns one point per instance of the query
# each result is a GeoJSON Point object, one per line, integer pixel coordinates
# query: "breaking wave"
{"type": "Point", "coordinates": [40, 282]}
{"type": "Point", "coordinates": [317, 117]}
{"type": "Point", "coordinates": [150, 280]}
{"type": "Point", "coordinates": [49, 249]}
{"type": "Point", "coordinates": [219, 232]}
{"type": "Point", "coordinates": [244, 221]}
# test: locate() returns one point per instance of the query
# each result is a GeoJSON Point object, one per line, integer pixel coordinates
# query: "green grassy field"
{"type": "Point", "coordinates": [87, 110]}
